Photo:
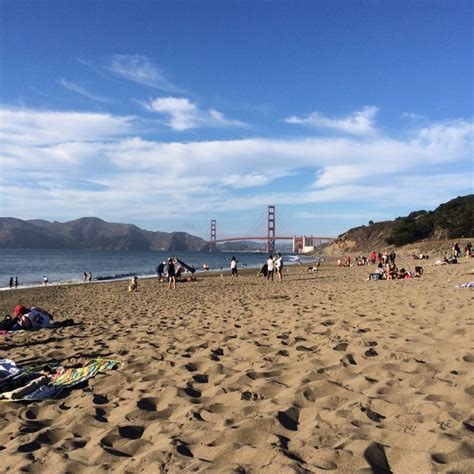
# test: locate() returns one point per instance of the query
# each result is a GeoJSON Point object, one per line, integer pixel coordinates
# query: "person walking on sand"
{"type": "Point", "coordinates": [233, 267]}
{"type": "Point", "coordinates": [11, 282]}
{"type": "Point", "coordinates": [171, 274]}
{"type": "Point", "coordinates": [270, 267]}
{"type": "Point", "coordinates": [16, 282]}
{"type": "Point", "coordinates": [45, 280]}
{"type": "Point", "coordinates": [279, 266]}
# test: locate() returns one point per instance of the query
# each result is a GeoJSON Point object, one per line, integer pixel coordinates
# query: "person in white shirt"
{"type": "Point", "coordinates": [279, 266]}
{"type": "Point", "coordinates": [33, 318]}
{"type": "Point", "coordinates": [233, 267]}
{"type": "Point", "coordinates": [271, 266]}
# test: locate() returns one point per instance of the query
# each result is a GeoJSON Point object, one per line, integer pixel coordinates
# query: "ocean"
{"type": "Point", "coordinates": [62, 266]}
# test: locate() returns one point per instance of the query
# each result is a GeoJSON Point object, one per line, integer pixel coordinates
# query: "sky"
{"type": "Point", "coordinates": [167, 114]}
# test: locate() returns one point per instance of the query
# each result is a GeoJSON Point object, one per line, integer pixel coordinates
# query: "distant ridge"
{"type": "Point", "coordinates": [92, 233]}
{"type": "Point", "coordinates": [451, 220]}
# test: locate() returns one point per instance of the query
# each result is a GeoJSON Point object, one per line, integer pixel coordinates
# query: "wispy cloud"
{"type": "Point", "coordinates": [78, 89]}
{"type": "Point", "coordinates": [142, 70]}
{"type": "Point", "coordinates": [361, 122]}
{"type": "Point", "coordinates": [183, 114]}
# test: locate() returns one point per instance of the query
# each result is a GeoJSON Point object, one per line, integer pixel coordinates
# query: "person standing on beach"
{"type": "Point", "coordinates": [45, 280]}
{"type": "Point", "coordinates": [270, 267]}
{"type": "Point", "coordinates": [171, 274]}
{"type": "Point", "coordinates": [233, 267]}
{"type": "Point", "coordinates": [279, 266]}
{"type": "Point", "coordinates": [16, 282]}
{"type": "Point", "coordinates": [11, 282]}
{"type": "Point", "coordinates": [89, 278]}
{"type": "Point", "coordinates": [160, 270]}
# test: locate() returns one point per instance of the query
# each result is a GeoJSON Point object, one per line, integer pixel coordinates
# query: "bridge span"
{"type": "Point", "coordinates": [301, 243]}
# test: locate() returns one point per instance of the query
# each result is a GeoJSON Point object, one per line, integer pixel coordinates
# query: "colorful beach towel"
{"type": "Point", "coordinates": [51, 386]}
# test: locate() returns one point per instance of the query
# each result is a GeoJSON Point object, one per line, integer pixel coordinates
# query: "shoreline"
{"type": "Point", "coordinates": [200, 272]}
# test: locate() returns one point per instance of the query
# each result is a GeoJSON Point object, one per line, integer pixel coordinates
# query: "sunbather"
{"type": "Point", "coordinates": [32, 318]}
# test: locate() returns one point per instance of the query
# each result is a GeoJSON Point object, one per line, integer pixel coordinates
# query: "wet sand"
{"type": "Point", "coordinates": [326, 371]}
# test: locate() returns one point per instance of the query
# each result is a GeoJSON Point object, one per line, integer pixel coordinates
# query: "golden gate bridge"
{"type": "Point", "coordinates": [301, 243]}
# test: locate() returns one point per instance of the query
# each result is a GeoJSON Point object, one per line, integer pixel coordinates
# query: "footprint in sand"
{"type": "Point", "coordinates": [123, 441]}
{"type": "Point", "coordinates": [289, 419]}
{"type": "Point", "coordinates": [201, 378]}
{"type": "Point", "coordinates": [348, 359]}
{"type": "Point", "coordinates": [100, 415]}
{"type": "Point", "coordinates": [100, 399]}
{"type": "Point", "coordinates": [371, 353]}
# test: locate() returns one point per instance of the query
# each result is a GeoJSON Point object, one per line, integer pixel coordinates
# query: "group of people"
{"type": "Point", "coordinates": [13, 283]}
{"type": "Point", "coordinates": [172, 269]}
{"type": "Point", "coordinates": [391, 272]}
{"type": "Point", "coordinates": [87, 277]}
{"type": "Point", "coordinates": [456, 250]}
{"type": "Point", "coordinates": [274, 264]}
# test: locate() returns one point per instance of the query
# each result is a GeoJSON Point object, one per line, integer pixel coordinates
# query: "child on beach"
{"type": "Point", "coordinates": [133, 285]}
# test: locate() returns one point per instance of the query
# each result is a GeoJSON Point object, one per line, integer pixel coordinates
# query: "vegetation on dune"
{"type": "Point", "coordinates": [451, 220]}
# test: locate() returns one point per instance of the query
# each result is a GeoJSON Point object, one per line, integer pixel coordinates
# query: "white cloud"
{"type": "Point", "coordinates": [183, 114]}
{"type": "Point", "coordinates": [28, 127]}
{"type": "Point", "coordinates": [75, 160]}
{"type": "Point", "coordinates": [142, 70]}
{"type": "Point", "coordinates": [361, 122]}
{"type": "Point", "coordinates": [78, 89]}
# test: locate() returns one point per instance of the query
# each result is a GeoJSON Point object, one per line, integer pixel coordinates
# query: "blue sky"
{"type": "Point", "coordinates": [168, 114]}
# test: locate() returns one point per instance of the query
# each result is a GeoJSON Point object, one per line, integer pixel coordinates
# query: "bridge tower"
{"type": "Point", "coordinates": [271, 230]}
{"type": "Point", "coordinates": [212, 241]}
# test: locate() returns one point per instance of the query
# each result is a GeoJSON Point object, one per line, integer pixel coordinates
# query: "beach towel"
{"type": "Point", "coordinates": [469, 284]}
{"type": "Point", "coordinates": [51, 386]}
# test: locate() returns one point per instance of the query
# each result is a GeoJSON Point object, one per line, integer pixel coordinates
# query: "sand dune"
{"type": "Point", "coordinates": [326, 371]}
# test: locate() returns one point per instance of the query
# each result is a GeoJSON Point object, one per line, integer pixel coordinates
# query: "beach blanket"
{"type": "Point", "coordinates": [8, 369]}
{"type": "Point", "coordinates": [469, 284]}
{"type": "Point", "coordinates": [51, 386]}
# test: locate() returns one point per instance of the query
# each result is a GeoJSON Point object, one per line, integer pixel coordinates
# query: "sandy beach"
{"type": "Point", "coordinates": [325, 371]}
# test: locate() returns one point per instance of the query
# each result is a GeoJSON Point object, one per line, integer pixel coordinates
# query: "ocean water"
{"type": "Point", "coordinates": [69, 265]}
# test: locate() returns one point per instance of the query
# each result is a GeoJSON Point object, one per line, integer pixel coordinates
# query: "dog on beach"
{"type": "Point", "coordinates": [313, 269]}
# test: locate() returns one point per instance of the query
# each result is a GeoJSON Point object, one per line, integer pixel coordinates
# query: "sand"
{"type": "Point", "coordinates": [326, 371]}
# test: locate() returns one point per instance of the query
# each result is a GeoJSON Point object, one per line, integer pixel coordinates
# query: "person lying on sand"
{"type": "Point", "coordinates": [32, 318]}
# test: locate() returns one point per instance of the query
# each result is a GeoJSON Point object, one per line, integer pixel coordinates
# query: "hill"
{"type": "Point", "coordinates": [91, 233]}
{"type": "Point", "coordinates": [451, 220]}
